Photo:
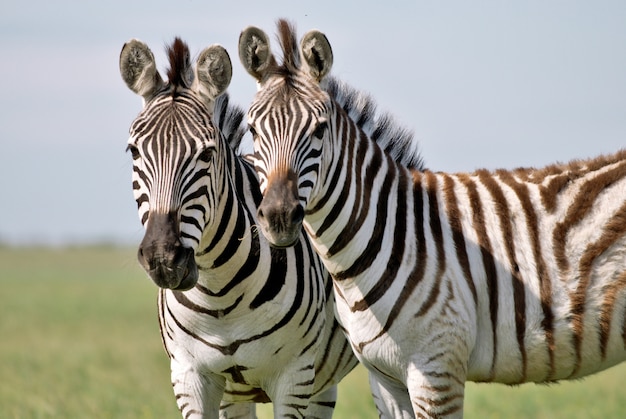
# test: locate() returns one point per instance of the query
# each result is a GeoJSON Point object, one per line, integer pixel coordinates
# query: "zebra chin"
{"type": "Point", "coordinates": [281, 225]}
{"type": "Point", "coordinates": [181, 275]}
{"type": "Point", "coordinates": [283, 238]}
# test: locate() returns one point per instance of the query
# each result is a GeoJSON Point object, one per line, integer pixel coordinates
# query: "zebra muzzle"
{"type": "Point", "coordinates": [162, 255]}
{"type": "Point", "coordinates": [280, 213]}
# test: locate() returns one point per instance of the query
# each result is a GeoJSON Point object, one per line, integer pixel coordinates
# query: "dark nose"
{"type": "Point", "coordinates": [280, 214]}
{"type": "Point", "coordinates": [163, 256]}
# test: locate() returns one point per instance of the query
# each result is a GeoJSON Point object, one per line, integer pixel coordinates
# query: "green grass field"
{"type": "Point", "coordinates": [79, 339]}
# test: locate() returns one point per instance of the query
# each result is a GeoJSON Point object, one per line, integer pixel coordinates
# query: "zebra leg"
{"type": "Point", "coordinates": [392, 399]}
{"type": "Point", "coordinates": [238, 411]}
{"type": "Point", "coordinates": [437, 391]}
{"type": "Point", "coordinates": [322, 404]}
{"type": "Point", "coordinates": [197, 395]}
{"type": "Point", "coordinates": [292, 390]}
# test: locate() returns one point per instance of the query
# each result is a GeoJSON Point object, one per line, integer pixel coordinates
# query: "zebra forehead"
{"type": "Point", "coordinates": [184, 107]}
{"type": "Point", "coordinates": [287, 102]}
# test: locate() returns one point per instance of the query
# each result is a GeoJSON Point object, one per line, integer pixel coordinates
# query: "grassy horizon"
{"type": "Point", "coordinates": [79, 339]}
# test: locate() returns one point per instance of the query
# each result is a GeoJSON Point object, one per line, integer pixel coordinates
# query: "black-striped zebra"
{"type": "Point", "coordinates": [505, 276]}
{"type": "Point", "coordinates": [241, 322]}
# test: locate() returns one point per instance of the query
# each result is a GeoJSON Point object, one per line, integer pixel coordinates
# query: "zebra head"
{"type": "Point", "coordinates": [172, 142]}
{"type": "Point", "coordinates": [289, 121]}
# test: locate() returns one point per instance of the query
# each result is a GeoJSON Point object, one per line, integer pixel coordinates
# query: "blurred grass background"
{"type": "Point", "coordinates": [79, 339]}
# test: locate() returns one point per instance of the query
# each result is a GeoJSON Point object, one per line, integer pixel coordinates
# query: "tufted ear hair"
{"type": "Point", "coordinates": [138, 69]}
{"type": "Point", "coordinates": [214, 71]}
{"type": "Point", "coordinates": [255, 53]}
{"type": "Point", "coordinates": [317, 53]}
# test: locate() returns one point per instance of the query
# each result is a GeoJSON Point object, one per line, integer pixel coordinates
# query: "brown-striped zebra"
{"type": "Point", "coordinates": [504, 276]}
{"type": "Point", "coordinates": [240, 321]}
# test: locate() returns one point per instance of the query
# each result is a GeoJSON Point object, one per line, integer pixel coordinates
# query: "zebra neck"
{"type": "Point", "coordinates": [229, 238]}
{"type": "Point", "coordinates": [347, 218]}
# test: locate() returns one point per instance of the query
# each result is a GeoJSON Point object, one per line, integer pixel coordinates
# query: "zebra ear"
{"type": "Point", "coordinates": [317, 53]}
{"type": "Point", "coordinates": [213, 72]}
{"type": "Point", "coordinates": [138, 69]}
{"type": "Point", "coordinates": [254, 52]}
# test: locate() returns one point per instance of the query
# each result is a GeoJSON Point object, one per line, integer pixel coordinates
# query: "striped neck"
{"type": "Point", "coordinates": [230, 224]}
{"type": "Point", "coordinates": [353, 168]}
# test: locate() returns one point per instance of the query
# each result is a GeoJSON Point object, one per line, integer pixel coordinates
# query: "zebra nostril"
{"type": "Point", "coordinates": [259, 214]}
{"type": "Point", "coordinates": [141, 256]}
{"type": "Point", "coordinates": [297, 215]}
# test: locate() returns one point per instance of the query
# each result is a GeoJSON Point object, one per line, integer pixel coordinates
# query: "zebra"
{"type": "Point", "coordinates": [241, 322]}
{"type": "Point", "coordinates": [507, 276]}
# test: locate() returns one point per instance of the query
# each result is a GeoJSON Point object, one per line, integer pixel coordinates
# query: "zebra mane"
{"type": "Point", "coordinates": [180, 72]}
{"type": "Point", "coordinates": [395, 139]}
{"type": "Point", "coordinates": [228, 119]}
{"type": "Point", "coordinates": [289, 47]}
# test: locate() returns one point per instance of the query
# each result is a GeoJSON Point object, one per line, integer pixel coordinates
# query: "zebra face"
{"type": "Point", "coordinates": [288, 164]}
{"type": "Point", "coordinates": [172, 143]}
{"type": "Point", "coordinates": [172, 158]}
{"type": "Point", "coordinates": [289, 123]}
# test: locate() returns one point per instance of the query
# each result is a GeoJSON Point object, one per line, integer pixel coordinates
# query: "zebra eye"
{"type": "Point", "coordinates": [319, 131]}
{"type": "Point", "coordinates": [134, 151]}
{"type": "Point", "coordinates": [205, 155]}
{"type": "Point", "coordinates": [252, 131]}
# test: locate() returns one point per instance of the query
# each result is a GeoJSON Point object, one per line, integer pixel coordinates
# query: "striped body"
{"type": "Point", "coordinates": [537, 278]}
{"type": "Point", "coordinates": [258, 324]}
{"type": "Point", "coordinates": [506, 276]}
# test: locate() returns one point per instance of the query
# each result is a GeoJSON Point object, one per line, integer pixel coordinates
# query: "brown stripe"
{"type": "Point", "coordinates": [613, 290]}
{"type": "Point", "coordinates": [561, 175]}
{"type": "Point", "coordinates": [519, 296]}
{"type": "Point", "coordinates": [612, 232]}
{"type": "Point", "coordinates": [578, 210]}
{"type": "Point", "coordinates": [545, 283]}
{"type": "Point", "coordinates": [550, 192]}
{"type": "Point", "coordinates": [491, 276]}
{"type": "Point", "coordinates": [454, 218]}
{"type": "Point", "coordinates": [417, 274]}
{"type": "Point", "coordinates": [437, 233]}
{"type": "Point", "coordinates": [435, 224]}
{"type": "Point", "coordinates": [624, 329]}
{"type": "Point", "coordinates": [338, 292]}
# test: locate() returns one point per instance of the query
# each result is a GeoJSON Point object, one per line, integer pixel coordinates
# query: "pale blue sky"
{"type": "Point", "coordinates": [482, 84]}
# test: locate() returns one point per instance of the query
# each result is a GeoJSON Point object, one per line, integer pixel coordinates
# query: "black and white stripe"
{"type": "Point", "coordinates": [257, 324]}
{"type": "Point", "coordinates": [504, 276]}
